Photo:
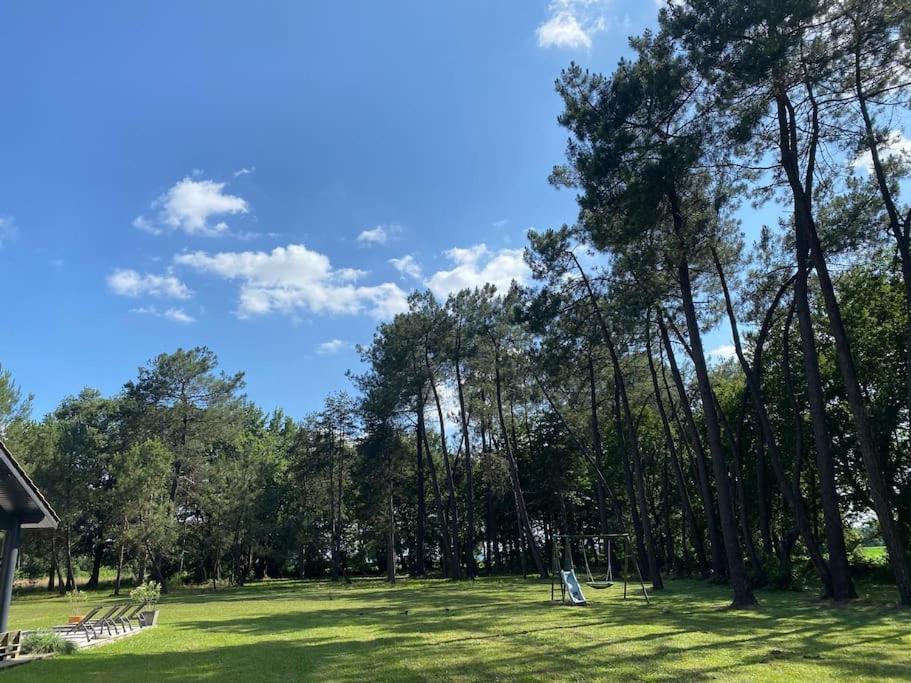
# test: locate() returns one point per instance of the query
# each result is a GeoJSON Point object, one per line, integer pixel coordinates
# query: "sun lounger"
{"type": "Point", "coordinates": [106, 621]}
{"type": "Point", "coordinates": [84, 625]}
{"type": "Point", "coordinates": [132, 613]}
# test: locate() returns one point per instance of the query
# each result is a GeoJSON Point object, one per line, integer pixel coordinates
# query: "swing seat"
{"type": "Point", "coordinates": [599, 584]}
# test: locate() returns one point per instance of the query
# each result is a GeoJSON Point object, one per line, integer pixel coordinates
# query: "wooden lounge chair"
{"type": "Point", "coordinates": [126, 615]}
{"type": "Point", "coordinates": [132, 613]}
{"type": "Point", "coordinates": [85, 625]}
{"type": "Point", "coordinates": [106, 621]}
{"type": "Point", "coordinates": [10, 643]}
{"type": "Point", "coordinates": [116, 619]}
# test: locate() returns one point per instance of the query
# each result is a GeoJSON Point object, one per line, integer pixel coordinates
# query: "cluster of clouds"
{"type": "Point", "coordinates": [295, 279]}
{"type": "Point", "coordinates": [195, 207]}
{"type": "Point", "coordinates": [292, 279]}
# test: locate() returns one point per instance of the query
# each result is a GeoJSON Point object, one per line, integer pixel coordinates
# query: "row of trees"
{"type": "Point", "coordinates": [586, 402]}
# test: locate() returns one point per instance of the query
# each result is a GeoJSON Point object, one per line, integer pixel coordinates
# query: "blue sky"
{"type": "Point", "coordinates": [270, 179]}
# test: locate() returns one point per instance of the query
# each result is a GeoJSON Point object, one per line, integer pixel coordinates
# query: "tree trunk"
{"type": "Point", "coordinates": [521, 511]}
{"type": "Point", "coordinates": [55, 567]}
{"type": "Point", "coordinates": [688, 514]}
{"type": "Point", "coordinates": [597, 445]}
{"type": "Point", "coordinates": [740, 498]}
{"type": "Point", "coordinates": [452, 503]}
{"type": "Point", "coordinates": [70, 576]}
{"type": "Point", "coordinates": [842, 586]}
{"type": "Point", "coordinates": [490, 519]}
{"type": "Point", "coordinates": [419, 569]}
{"type": "Point", "coordinates": [390, 543]}
{"type": "Point", "coordinates": [791, 493]}
{"type": "Point", "coordinates": [632, 436]}
{"type": "Point", "coordinates": [119, 570]}
{"type": "Point", "coordinates": [716, 545]}
{"type": "Point", "coordinates": [807, 240]}
{"type": "Point", "coordinates": [438, 499]}
{"type": "Point", "coordinates": [469, 476]}
{"type": "Point", "coordinates": [635, 512]}
{"type": "Point", "coordinates": [743, 594]}
{"type": "Point", "coordinates": [97, 556]}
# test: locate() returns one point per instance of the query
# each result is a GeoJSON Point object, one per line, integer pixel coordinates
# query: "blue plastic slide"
{"type": "Point", "coordinates": [572, 587]}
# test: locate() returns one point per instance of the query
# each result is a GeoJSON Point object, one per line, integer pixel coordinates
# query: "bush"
{"type": "Point", "coordinates": [76, 599]}
{"type": "Point", "coordinates": [148, 593]}
{"type": "Point", "coordinates": [46, 642]}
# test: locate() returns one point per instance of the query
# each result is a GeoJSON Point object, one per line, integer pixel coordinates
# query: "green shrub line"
{"type": "Point", "coordinates": [46, 642]}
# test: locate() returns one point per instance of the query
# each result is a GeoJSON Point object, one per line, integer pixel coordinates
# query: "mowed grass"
{"type": "Point", "coordinates": [875, 553]}
{"type": "Point", "coordinates": [489, 629]}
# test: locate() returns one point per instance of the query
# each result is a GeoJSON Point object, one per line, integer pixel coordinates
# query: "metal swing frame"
{"type": "Point", "coordinates": [566, 539]}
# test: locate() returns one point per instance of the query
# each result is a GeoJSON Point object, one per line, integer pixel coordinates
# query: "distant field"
{"type": "Point", "coordinates": [874, 552]}
{"type": "Point", "coordinates": [489, 629]}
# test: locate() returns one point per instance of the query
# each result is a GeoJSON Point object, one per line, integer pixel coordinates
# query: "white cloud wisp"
{"type": "Point", "coordinates": [476, 266]}
{"type": "Point", "coordinates": [189, 207]}
{"type": "Point", "coordinates": [128, 282]}
{"type": "Point", "coordinates": [571, 24]}
{"type": "Point", "coordinates": [294, 278]}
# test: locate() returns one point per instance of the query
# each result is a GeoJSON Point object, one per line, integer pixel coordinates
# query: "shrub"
{"type": "Point", "coordinates": [46, 642]}
{"type": "Point", "coordinates": [146, 592]}
{"type": "Point", "coordinates": [76, 599]}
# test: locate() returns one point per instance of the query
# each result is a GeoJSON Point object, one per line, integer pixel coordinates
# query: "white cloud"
{"type": "Point", "coordinates": [244, 171]}
{"type": "Point", "coordinates": [722, 353]}
{"type": "Point", "coordinates": [177, 315]}
{"type": "Point", "coordinates": [407, 266]}
{"type": "Point", "coordinates": [500, 223]}
{"type": "Point", "coordinates": [333, 346]}
{"type": "Point", "coordinates": [294, 277]}
{"type": "Point", "coordinates": [572, 23]}
{"type": "Point", "coordinates": [127, 282]}
{"type": "Point", "coordinates": [896, 146]}
{"type": "Point", "coordinates": [8, 229]}
{"type": "Point", "coordinates": [476, 266]}
{"type": "Point", "coordinates": [378, 235]}
{"type": "Point", "coordinates": [189, 205]}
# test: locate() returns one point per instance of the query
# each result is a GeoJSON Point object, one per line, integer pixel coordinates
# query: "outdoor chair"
{"type": "Point", "coordinates": [130, 613]}
{"type": "Point", "coordinates": [104, 622]}
{"type": "Point", "coordinates": [84, 625]}
{"type": "Point", "coordinates": [10, 643]}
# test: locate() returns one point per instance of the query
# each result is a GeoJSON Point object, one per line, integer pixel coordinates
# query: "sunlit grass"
{"type": "Point", "coordinates": [488, 629]}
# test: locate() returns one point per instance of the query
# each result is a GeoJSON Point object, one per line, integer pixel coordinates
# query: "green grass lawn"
{"type": "Point", "coordinates": [876, 553]}
{"type": "Point", "coordinates": [491, 629]}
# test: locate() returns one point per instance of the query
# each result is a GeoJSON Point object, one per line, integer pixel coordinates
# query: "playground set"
{"type": "Point", "coordinates": [565, 572]}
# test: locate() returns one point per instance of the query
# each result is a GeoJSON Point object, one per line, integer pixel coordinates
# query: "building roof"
{"type": "Point", "coordinates": [19, 497]}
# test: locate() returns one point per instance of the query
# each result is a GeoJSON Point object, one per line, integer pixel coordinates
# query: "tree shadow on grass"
{"type": "Point", "coordinates": [444, 630]}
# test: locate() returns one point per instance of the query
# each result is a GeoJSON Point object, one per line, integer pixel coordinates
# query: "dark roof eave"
{"type": "Point", "coordinates": [50, 520]}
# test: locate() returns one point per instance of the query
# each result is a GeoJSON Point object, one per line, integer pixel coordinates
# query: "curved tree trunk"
{"type": "Point", "coordinates": [791, 493]}
{"type": "Point", "coordinates": [521, 511]}
{"type": "Point", "coordinates": [743, 594]}
{"type": "Point", "coordinates": [631, 436]}
{"type": "Point", "coordinates": [445, 541]}
{"type": "Point", "coordinates": [716, 545]}
{"type": "Point", "coordinates": [469, 474]}
{"type": "Point", "coordinates": [452, 505]}
{"type": "Point", "coordinates": [688, 514]}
